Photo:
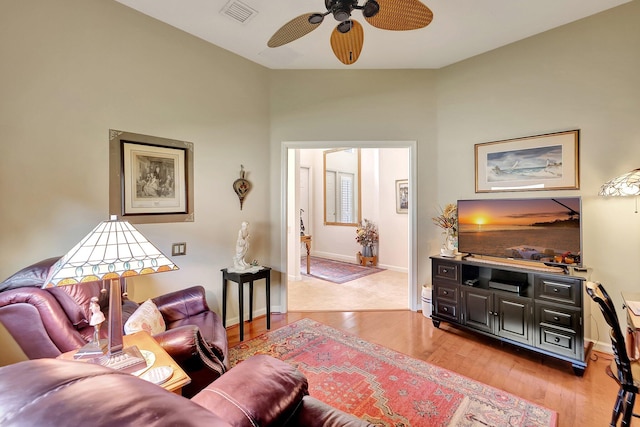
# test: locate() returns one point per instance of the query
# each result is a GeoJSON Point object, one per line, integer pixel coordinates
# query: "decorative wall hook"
{"type": "Point", "coordinates": [241, 186]}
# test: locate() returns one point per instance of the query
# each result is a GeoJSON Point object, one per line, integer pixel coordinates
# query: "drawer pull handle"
{"type": "Point", "coordinates": [556, 290]}
{"type": "Point", "coordinates": [445, 292]}
{"type": "Point", "coordinates": [556, 318]}
{"type": "Point", "coordinates": [556, 339]}
{"type": "Point", "coordinates": [445, 271]}
{"type": "Point", "coordinates": [445, 309]}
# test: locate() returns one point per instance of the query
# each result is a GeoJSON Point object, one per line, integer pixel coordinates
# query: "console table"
{"type": "Point", "coordinates": [241, 278]}
{"type": "Point", "coordinates": [307, 243]}
{"type": "Point", "coordinates": [541, 311]}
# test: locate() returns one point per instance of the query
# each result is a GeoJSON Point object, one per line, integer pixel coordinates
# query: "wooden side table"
{"type": "Point", "coordinates": [307, 243]}
{"type": "Point", "coordinates": [633, 324]}
{"type": "Point", "coordinates": [241, 279]}
{"type": "Point", "coordinates": [144, 341]}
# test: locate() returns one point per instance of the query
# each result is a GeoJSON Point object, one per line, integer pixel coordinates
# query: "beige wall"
{"type": "Point", "coordinates": [581, 76]}
{"type": "Point", "coordinates": [361, 105]}
{"type": "Point", "coordinates": [72, 69]}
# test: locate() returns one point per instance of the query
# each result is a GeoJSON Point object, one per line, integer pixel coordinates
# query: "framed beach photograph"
{"type": "Point", "coordinates": [541, 162]}
{"type": "Point", "coordinates": [151, 178]}
{"type": "Point", "coordinates": [402, 196]}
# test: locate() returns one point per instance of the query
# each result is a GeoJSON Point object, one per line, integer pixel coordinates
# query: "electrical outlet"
{"type": "Point", "coordinates": [179, 249]}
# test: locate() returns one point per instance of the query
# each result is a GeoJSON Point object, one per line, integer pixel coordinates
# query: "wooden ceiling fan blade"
{"type": "Point", "coordinates": [293, 30]}
{"type": "Point", "coordinates": [347, 46]}
{"type": "Point", "coordinates": [401, 15]}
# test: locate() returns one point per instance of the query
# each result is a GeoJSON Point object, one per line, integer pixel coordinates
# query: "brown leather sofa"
{"type": "Point", "coordinates": [261, 391]}
{"type": "Point", "coordinates": [48, 322]}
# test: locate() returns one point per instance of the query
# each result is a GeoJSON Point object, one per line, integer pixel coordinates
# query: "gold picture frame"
{"type": "Point", "coordinates": [150, 179]}
{"type": "Point", "coordinates": [540, 162]}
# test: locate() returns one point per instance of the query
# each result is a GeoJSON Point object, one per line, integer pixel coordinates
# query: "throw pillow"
{"type": "Point", "coordinates": [148, 318]}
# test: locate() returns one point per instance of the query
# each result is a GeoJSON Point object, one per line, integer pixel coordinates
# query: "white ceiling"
{"type": "Point", "coordinates": [460, 29]}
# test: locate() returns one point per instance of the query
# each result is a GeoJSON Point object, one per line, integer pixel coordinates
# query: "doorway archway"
{"type": "Point", "coordinates": [291, 207]}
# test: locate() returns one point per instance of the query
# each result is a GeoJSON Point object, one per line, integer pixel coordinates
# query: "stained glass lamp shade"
{"type": "Point", "coordinates": [113, 250]}
{"type": "Point", "coordinates": [624, 185]}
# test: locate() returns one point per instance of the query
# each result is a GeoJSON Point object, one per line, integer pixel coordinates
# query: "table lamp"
{"type": "Point", "coordinates": [623, 185]}
{"type": "Point", "coordinates": [113, 250]}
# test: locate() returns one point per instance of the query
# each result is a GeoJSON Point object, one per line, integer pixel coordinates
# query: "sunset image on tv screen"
{"type": "Point", "coordinates": [545, 230]}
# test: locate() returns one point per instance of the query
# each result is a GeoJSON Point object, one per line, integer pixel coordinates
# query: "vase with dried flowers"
{"type": "Point", "coordinates": [367, 236]}
{"type": "Point", "coordinates": [447, 219]}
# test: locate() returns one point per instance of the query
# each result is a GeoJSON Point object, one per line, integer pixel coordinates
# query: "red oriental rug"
{"type": "Point", "coordinates": [335, 271]}
{"type": "Point", "coordinates": [388, 388]}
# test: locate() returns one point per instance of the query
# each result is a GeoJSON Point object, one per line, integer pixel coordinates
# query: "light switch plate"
{"type": "Point", "coordinates": [178, 249]}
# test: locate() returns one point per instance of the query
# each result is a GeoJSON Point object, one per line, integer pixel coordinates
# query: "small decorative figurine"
{"type": "Point", "coordinates": [242, 245]}
{"type": "Point", "coordinates": [96, 347]}
{"type": "Point", "coordinates": [97, 317]}
{"type": "Point", "coordinates": [301, 223]}
{"type": "Point", "coordinates": [241, 186]}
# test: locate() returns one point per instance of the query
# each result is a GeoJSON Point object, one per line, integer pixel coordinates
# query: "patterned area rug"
{"type": "Point", "coordinates": [335, 271]}
{"type": "Point", "coordinates": [388, 388]}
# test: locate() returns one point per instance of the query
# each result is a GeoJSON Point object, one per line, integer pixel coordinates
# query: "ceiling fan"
{"type": "Point", "coordinates": [348, 36]}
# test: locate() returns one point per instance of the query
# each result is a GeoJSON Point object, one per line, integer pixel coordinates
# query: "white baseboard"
{"type": "Point", "coordinates": [604, 347]}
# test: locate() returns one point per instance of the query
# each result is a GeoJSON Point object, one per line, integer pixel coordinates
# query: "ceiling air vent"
{"type": "Point", "coordinates": [238, 11]}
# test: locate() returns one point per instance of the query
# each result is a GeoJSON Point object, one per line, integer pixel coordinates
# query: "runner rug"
{"type": "Point", "coordinates": [335, 271]}
{"type": "Point", "coordinates": [385, 387]}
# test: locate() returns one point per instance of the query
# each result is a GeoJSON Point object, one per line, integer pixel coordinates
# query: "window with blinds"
{"type": "Point", "coordinates": [346, 198]}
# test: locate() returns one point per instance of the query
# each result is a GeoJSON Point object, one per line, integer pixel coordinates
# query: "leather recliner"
{"type": "Point", "coordinates": [48, 322]}
{"type": "Point", "coordinates": [260, 391]}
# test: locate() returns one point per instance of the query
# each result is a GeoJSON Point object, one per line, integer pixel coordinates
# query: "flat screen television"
{"type": "Point", "coordinates": [544, 230]}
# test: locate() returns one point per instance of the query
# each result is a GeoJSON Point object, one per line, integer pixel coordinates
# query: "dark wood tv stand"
{"type": "Point", "coordinates": [541, 311]}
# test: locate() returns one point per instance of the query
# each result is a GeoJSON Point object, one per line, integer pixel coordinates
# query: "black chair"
{"type": "Point", "coordinates": [622, 369]}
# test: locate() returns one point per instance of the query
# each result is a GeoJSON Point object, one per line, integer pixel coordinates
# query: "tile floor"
{"type": "Point", "coordinates": [387, 290]}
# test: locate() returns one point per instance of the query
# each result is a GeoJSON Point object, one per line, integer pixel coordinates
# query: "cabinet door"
{"type": "Point", "coordinates": [514, 318]}
{"type": "Point", "coordinates": [478, 309]}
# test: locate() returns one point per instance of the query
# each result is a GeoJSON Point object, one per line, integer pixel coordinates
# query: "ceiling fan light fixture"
{"type": "Point", "coordinates": [370, 9]}
{"type": "Point", "coordinates": [345, 26]}
{"type": "Point", "coordinates": [316, 18]}
{"type": "Point", "coordinates": [347, 37]}
{"type": "Point", "coordinates": [342, 14]}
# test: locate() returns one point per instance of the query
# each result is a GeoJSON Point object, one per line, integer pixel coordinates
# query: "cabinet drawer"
{"type": "Point", "coordinates": [566, 291]}
{"type": "Point", "coordinates": [446, 292]}
{"type": "Point", "coordinates": [447, 309]}
{"type": "Point", "coordinates": [558, 316]}
{"type": "Point", "coordinates": [557, 341]}
{"type": "Point", "coordinates": [443, 270]}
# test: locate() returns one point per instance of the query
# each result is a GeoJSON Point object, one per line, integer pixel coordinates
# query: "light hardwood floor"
{"type": "Point", "coordinates": [579, 401]}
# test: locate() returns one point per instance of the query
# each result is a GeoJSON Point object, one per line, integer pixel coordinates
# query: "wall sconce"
{"type": "Point", "coordinates": [624, 185]}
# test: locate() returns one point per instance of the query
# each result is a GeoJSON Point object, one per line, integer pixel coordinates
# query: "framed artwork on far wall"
{"type": "Point", "coordinates": [402, 196]}
{"type": "Point", "coordinates": [151, 178]}
{"type": "Point", "coordinates": [540, 162]}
